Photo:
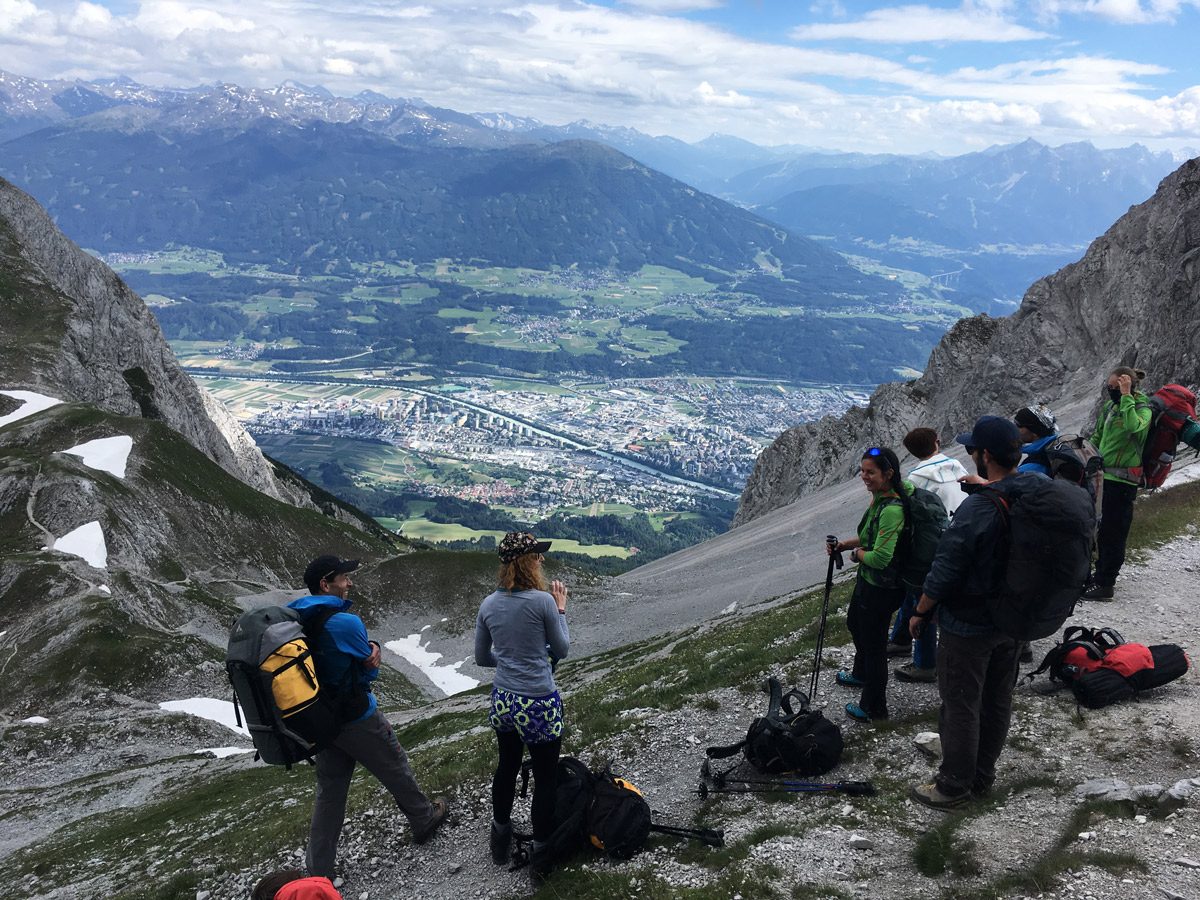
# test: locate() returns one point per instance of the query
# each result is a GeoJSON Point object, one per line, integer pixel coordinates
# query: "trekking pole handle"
{"type": "Point", "coordinates": [832, 541]}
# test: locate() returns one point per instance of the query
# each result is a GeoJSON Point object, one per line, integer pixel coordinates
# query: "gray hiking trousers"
{"type": "Point", "coordinates": [372, 743]}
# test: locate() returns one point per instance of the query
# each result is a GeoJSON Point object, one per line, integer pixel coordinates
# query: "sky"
{"type": "Point", "coordinates": [915, 77]}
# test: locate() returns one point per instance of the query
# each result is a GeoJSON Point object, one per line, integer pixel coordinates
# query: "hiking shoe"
{"type": "Point", "coordinates": [931, 795]}
{"type": "Point", "coordinates": [848, 679]}
{"type": "Point", "coordinates": [981, 790]}
{"type": "Point", "coordinates": [1099, 592]}
{"type": "Point", "coordinates": [911, 672]}
{"type": "Point", "coordinates": [897, 648]}
{"type": "Point", "coordinates": [854, 711]}
{"type": "Point", "coordinates": [500, 841]}
{"type": "Point", "coordinates": [540, 864]}
{"type": "Point", "coordinates": [441, 809]}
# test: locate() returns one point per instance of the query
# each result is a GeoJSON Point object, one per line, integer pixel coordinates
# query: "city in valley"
{"type": "Point", "coordinates": [667, 445]}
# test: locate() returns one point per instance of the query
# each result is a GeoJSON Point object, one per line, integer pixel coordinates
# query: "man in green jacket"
{"type": "Point", "coordinates": [1120, 434]}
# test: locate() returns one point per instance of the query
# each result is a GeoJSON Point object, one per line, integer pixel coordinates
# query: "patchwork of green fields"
{"type": "Point", "coordinates": [438, 532]}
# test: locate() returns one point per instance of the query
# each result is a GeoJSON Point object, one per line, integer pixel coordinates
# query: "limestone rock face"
{"type": "Point", "coordinates": [72, 329]}
{"type": "Point", "coordinates": [1131, 300]}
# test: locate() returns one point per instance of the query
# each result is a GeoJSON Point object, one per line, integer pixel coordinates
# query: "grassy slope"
{"type": "Point", "coordinates": [669, 672]}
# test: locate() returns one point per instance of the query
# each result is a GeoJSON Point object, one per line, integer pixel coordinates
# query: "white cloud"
{"type": "Point", "coordinates": [1124, 12]}
{"type": "Point", "coordinates": [920, 24]}
{"type": "Point", "coordinates": [673, 6]}
{"type": "Point", "coordinates": [561, 60]}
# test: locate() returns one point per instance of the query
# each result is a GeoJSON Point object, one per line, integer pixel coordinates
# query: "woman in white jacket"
{"type": "Point", "coordinates": [938, 473]}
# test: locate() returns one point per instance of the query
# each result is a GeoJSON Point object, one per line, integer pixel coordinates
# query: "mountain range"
{"type": "Point", "coordinates": [987, 223]}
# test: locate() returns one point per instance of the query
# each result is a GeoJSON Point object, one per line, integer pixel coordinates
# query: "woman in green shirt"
{"type": "Point", "coordinates": [878, 591]}
{"type": "Point", "coordinates": [1120, 435]}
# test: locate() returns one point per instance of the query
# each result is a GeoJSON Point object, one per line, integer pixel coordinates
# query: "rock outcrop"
{"type": "Point", "coordinates": [1131, 300]}
{"type": "Point", "coordinates": [72, 329]}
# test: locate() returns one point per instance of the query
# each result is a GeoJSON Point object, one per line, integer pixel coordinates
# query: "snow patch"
{"type": "Point", "coordinates": [86, 541]}
{"type": "Point", "coordinates": [219, 711]}
{"type": "Point", "coordinates": [36, 720]}
{"type": "Point", "coordinates": [109, 454]}
{"type": "Point", "coordinates": [446, 678]}
{"type": "Point", "coordinates": [1183, 474]}
{"type": "Point", "coordinates": [33, 403]}
{"type": "Point", "coordinates": [104, 589]}
{"type": "Point", "coordinates": [222, 752]}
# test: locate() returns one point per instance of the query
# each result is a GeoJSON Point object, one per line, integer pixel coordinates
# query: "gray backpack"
{"type": "Point", "coordinates": [272, 667]}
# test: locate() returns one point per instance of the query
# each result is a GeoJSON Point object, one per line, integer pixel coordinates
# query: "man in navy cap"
{"type": "Point", "coordinates": [976, 664]}
{"type": "Point", "coordinates": [347, 662]}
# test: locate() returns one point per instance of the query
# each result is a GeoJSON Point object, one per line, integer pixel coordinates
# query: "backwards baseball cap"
{"type": "Point", "coordinates": [326, 567]}
{"type": "Point", "coordinates": [518, 543]}
{"type": "Point", "coordinates": [1037, 419]}
{"type": "Point", "coordinates": [992, 433]}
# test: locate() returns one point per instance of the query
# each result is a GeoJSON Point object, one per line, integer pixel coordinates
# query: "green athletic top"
{"type": "Point", "coordinates": [879, 532]}
{"type": "Point", "coordinates": [1120, 434]}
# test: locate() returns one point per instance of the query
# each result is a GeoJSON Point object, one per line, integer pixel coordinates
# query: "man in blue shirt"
{"type": "Point", "coordinates": [1038, 429]}
{"type": "Point", "coordinates": [347, 662]}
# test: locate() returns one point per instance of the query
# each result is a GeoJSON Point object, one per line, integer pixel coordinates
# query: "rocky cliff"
{"type": "Point", "coordinates": [1131, 300]}
{"type": "Point", "coordinates": [73, 330]}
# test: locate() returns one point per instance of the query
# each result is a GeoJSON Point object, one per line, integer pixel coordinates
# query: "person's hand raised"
{"type": "Point", "coordinates": [558, 591]}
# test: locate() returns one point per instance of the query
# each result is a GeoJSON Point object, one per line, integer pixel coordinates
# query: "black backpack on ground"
{"type": "Point", "coordinates": [800, 740]}
{"type": "Point", "coordinates": [618, 821]}
{"type": "Point", "coordinates": [597, 809]}
{"type": "Point", "coordinates": [1049, 532]}
{"type": "Point", "coordinates": [1085, 658]}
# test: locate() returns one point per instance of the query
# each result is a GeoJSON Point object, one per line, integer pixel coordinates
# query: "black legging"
{"type": "Point", "coordinates": [869, 619]}
{"type": "Point", "coordinates": [545, 781]}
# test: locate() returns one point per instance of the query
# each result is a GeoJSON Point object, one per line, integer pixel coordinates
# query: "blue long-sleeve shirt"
{"type": "Point", "coordinates": [512, 632]}
{"type": "Point", "coordinates": [343, 646]}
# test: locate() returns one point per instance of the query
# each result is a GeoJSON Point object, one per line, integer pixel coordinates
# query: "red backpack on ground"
{"type": "Point", "coordinates": [1171, 406]}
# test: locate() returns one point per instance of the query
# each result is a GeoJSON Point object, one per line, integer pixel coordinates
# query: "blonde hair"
{"type": "Point", "coordinates": [522, 574]}
{"type": "Point", "coordinates": [1135, 375]}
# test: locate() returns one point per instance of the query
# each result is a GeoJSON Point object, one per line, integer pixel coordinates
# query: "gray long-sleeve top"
{"type": "Point", "coordinates": [971, 556]}
{"type": "Point", "coordinates": [511, 634]}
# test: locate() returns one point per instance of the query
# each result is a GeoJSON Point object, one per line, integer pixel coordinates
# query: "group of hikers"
{"type": "Point", "coordinates": [521, 630]}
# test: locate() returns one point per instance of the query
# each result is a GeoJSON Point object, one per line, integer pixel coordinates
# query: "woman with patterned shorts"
{"type": "Point", "coordinates": [520, 628]}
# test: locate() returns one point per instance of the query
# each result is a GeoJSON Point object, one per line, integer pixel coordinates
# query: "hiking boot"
{"type": "Point", "coordinates": [910, 672]}
{"type": "Point", "coordinates": [1099, 592]}
{"type": "Point", "coordinates": [540, 863]}
{"type": "Point", "coordinates": [931, 795]}
{"type": "Point", "coordinates": [981, 790]}
{"type": "Point", "coordinates": [848, 679]}
{"type": "Point", "coordinates": [441, 810]}
{"type": "Point", "coordinates": [854, 711]}
{"type": "Point", "coordinates": [501, 842]}
{"type": "Point", "coordinates": [898, 648]}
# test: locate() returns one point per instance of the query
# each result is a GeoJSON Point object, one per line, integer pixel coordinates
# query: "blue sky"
{"type": "Point", "coordinates": [907, 77]}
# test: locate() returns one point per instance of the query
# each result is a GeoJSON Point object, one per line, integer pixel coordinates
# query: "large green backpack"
{"type": "Point", "coordinates": [921, 535]}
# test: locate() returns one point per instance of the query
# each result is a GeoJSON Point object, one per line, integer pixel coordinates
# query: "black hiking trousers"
{"type": "Point", "coordinates": [869, 619]}
{"type": "Point", "coordinates": [545, 781]}
{"type": "Point", "coordinates": [976, 676]}
{"type": "Point", "coordinates": [1116, 510]}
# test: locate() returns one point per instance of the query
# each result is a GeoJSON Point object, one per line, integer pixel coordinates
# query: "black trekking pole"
{"type": "Point", "coordinates": [835, 558]}
{"type": "Point", "coordinates": [853, 788]}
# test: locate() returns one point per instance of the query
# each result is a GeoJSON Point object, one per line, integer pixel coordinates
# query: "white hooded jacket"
{"type": "Point", "coordinates": [940, 474]}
